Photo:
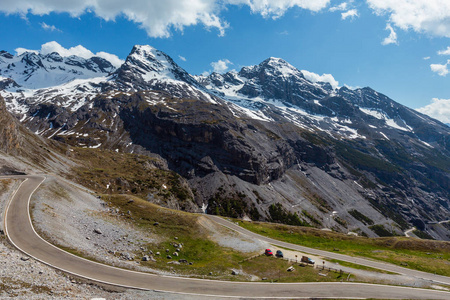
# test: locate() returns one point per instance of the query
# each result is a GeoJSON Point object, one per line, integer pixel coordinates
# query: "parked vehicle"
{"type": "Point", "coordinates": [268, 252]}
{"type": "Point", "coordinates": [307, 260]}
{"type": "Point", "coordinates": [279, 254]}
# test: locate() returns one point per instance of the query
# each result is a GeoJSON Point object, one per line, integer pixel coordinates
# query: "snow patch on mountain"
{"type": "Point", "coordinates": [246, 112]}
{"type": "Point", "coordinates": [73, 95]}
{"type": "Point", "coordinates": [389, 121]}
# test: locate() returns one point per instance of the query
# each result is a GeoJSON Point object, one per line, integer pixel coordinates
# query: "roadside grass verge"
{"type": "Point", "coordinates": [359, 267]}
{"type": "Point", "coordinates": [423, 255]}
{"type": "Point", "coordinates": [275, 270]}
{"type": "Point", "coordinates": [177, 227]}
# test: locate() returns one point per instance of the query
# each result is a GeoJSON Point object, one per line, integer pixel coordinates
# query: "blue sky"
{"type": "Point", "coordinates": [396, 47]}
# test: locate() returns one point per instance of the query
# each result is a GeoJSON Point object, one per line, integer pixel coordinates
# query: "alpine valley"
{"type": "Point", "coordinates": [264, 143]}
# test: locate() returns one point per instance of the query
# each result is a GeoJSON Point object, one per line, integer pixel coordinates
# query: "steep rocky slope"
{"type": "Point", "coordinates": [9, 132]}
{"type": "Point", "coordinates": [263, 143]}
{"type": "Point", "coordinates": [22, 151]}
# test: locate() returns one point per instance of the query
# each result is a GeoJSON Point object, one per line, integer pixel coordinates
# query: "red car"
{"type": "Point", "coordinates": [268, 252]}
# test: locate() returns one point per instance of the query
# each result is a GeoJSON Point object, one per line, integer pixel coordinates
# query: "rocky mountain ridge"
{"type": "Point", "coordinates": [261, 143]}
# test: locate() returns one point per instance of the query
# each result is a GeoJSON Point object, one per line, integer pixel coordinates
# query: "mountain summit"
{"type": "Point", "coordinates": [149, 69]}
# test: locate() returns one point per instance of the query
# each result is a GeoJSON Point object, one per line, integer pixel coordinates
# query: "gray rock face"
{"type": "Point", "coordinates": [10, 140]}
{"type": "Point", "coordinates": [274, 78]}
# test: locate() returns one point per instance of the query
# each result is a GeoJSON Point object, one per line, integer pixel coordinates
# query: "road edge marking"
{"type": "Point", "coordinates": [7, 208]}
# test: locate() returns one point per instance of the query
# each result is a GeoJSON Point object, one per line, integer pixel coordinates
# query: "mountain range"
{"type": "Point", "coordinates": [263, 143]}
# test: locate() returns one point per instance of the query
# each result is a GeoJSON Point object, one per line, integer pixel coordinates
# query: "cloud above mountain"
{"type": "Point", "coordinates": [79, 50]}
{"type": "Point", "coordinates": [221, 66]}
{"type": "Point", "coordinates": [313, 77]}
{"type": "Point", "coordinates": [438, 109]}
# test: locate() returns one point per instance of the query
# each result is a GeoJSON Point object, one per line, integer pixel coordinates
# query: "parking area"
{"type": "Point", "coordinates": [295, 256]}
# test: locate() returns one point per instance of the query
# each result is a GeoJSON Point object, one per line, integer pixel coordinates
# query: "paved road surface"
{"type": "Point", "coordinates": [21, 233]}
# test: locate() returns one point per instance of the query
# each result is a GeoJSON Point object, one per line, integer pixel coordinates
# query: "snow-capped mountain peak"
{"type": "Point", "coordinates": [147, 68]}
{"type": "Point", "coordinates": [149, 63]}
{"type": "Point", "coordinates": [33, 70]}
{"type": "Point", "coordinates": [271, 67]}
{"type": "Point", "coordinates": [282, 67]}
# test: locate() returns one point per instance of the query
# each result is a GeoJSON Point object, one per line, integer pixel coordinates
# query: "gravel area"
{"type": "Point", "coordinates": [231, 239]}
{"type": "Point", "coordinates": [90, 226]}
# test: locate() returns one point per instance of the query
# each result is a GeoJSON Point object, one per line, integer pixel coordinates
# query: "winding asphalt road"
{"type": "Point", "coordinates": [21, 234]}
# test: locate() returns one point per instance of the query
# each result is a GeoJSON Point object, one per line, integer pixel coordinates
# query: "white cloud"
{"type": "Point", "coordinates": [19, 51]}
{"type": "Point", "coordinates": [159, 18]}
{"type": "Point", "coordinates": [444, 52]}
{"type": "Point", "coordinates": [55, 47]}
{"type": "Point", "coordinates": [438, 109]}
{"type": "Point", "coordinates": [221, 66]}
{"type": "Point", "coordinates": [340, 7]}
{"type": "Point", "coordinates": [49, 27]}
{"type": "Point", "coordinates": [426, 58]}
{"type": "Point", "coordinates": [348, 10]}
{"type": "Point", "coordinates": [424, 16]}
{"type": "Point", "coordinates": [182, 58]}
{"type": "Point", "coordinates": [277, 8]}
{"type": "Point", "coordinates": [441, 70]}
{"type": "Point", "coordinates": [112, 58]}
{"type": "Point", "coordinates": [321, 78]}
{"type": "Point", "coordinates": [352, 87]}
{"type": "Point", "coordinates": [392, 38]}
{"type": "Point", "coordinates": [352, 13]}
{"type": "Point", "coordinates": [77, 50]}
